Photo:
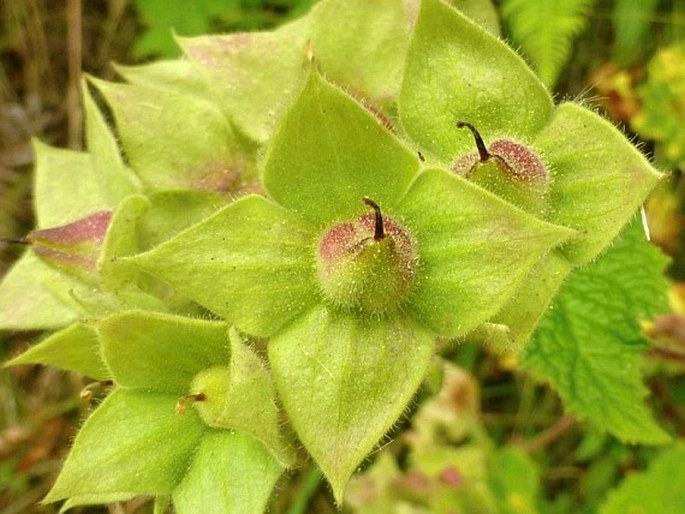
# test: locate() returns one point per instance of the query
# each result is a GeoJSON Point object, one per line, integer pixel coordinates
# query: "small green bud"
{"type": "Point", "coordinates": [367, 264]}
{"type": "Point", "coordinates": [209, 391]}
{"type": "Point", "coordinates": [508, 169]}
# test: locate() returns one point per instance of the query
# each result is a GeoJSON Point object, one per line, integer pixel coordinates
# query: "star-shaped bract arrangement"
{"type": "Point", "coordinates": [373, 236]}
{"type": "Point", "coordinates": [344, 370]}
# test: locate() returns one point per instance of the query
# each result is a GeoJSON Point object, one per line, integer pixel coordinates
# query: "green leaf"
{"type": "Point", "coordinates": [230, 473]}
{"type": "Point", "coordinates": [362, 44]}
{"type": "Point", "coordinates": [524, 310]}
{"type": "Point", "coordinates": [160, 135]}
{"type": "Point", "coordinates": [456, 71]}
{"type": "Point", "coordinates": [178, 75]}
{"type": "Point", "coordinates": [251, 263]}
{"type": "Point", "coordinates": [475, 249]}
{"type": "Point", "coordinates": [30, 297]}
{"type": "Point", "coordinates": [598, 178]}
{"type": "Point", "coordinates": [173, 211]}
{"type": "Point", "coordinates": [134, 443]}
{"type": "Point", "coordinates": [113, 177]}
{"type": "Point", "coordinates": [121, 240]}
{"type": "Point", "coordinates": [247, 399]}
{"type": "Point", "coordinates": [658, 490]}
{"type": "Point", "coordinates": [61, 174]}
{"type": "Point", "coordinates": [344, 380]}
{"type": "Point", "coordinates": [254, 75]}
{"type": "Point", "coordinates": [157, 352]}
{"type": "Point", "coordinates": [515, 481]}
{"type": "Point", "coordinates": [483, 12]}
{"type": "Point", "coordinates": [545, 29]}
{"type": "Point", "coordinates": [330, 152]}
{"type": "Point", "coordinates": [75, 348]}
{"type": "Point", "coordinates": [589, 346]}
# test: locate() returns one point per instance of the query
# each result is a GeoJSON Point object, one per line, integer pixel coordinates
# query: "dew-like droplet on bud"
{"type": "Point", "coordinates": [507, 168]}
{"type": "Point", "coordinates": [367, 264]}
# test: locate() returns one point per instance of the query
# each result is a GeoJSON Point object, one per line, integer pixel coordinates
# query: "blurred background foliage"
{"type": "Point", "coordinates": [626, 58]}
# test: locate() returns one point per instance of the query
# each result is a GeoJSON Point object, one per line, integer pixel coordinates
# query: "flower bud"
{"type": "Point", "coordinates": [73, 248]}
{"type": "Point", "coordinates": [367, 264]}
{"type": "Point", "coordinates": [508, 169]}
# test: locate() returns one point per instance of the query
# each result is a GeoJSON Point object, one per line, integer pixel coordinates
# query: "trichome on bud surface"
{"type": "Point", "coordinates": [368, 263]}
{"type": "Point", "coordinates": [508, 168]}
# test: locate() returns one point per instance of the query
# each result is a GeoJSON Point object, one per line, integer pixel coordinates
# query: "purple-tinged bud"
{"type": "Point", "coordinates": [367, 264]}
{"type": "Point", "coordinates": [507, 168]}
{"type": "Point", "coordinates": [75, 247]}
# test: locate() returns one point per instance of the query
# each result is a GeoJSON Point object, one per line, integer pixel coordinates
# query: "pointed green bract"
{"type": "Point", "coordinates": [121, 240]}
{"type": "Point", "coordinates": [75, 348]}
{"type": "Point", "coordinates": [598, 178]}
{"type": "Point", "coordinates": [44, 308]}
{"type": "Point", "coordinates": [330, 152]}
{"type": "Point", "coordinates": [456, 71]}
{"type": "Point", "coordinates": [66, 187]}
{"type": "Point", "coordinates": [172, 212]}
{"type": "Point", "coordinates": [524, 310]}
{"type": "Point", "coordinates": [474, 250]}
{"type": "Point", "coordinates": [660, 489]}
{"type": "Point", "coordinates": [178, 75]}
{"type": "Point", "coordinates": [344, 380]}
{"type": "Point", "coordinates": [589, 346]}
{"type": "Point", "coordinates": [254, 75]}
{"type": "Point", "coordinates": [175, 140]}
{"type": "Point", "coordinates": [157, 352]}
{"type": "Point", "coordinates": [251, 263]}
{"type": "Point", "coordinates": [362, 44]}
{"type": "Point", "coordinates": [113, 177]}
{"type": "Point", "coordinates": [482, 12]}
{"type": "Point", "coordinates": [231, 473]}
{"type": "Point", "coordinates": [134, 443]}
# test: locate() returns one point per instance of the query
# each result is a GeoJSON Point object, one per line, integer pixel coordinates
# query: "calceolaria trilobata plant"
{"type": "Point", "coordinates": [262, 248]}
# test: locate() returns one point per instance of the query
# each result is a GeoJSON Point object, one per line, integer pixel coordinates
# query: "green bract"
{"type": "Point", "coordinates": [306, 189]}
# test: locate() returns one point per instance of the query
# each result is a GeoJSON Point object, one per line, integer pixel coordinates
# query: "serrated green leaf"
{"type": "Point", "coordinates": [30, 300]}
{"type": "Point", "coordinates": [175, 140]}
{"type": "Point", "coordinates": [254, 75]}
{"type": "Point", "coordinates": [474, 250]}
{"type": "Point", "coordinates": [330, 152]}
{"type": "Point", "coordinates": [64, 174]}
{"type": "Point", "coordinates": [251, 263]}
{"type": "Point", "coordinates": [344, 380]}
{"type": "Point", "coordinates": [456, 71]}
{"type": "Point", "coordinates": [157, 352]}
{"type": "Point", "coordinates": [545, 29]}
{"type": "Point", "coordinates": [589, 346]}
{"type": "Point", "coordinates": [75, 348]}
{"type": "Point", "coordinates": [362, 44]}
{"type": "Point", "coordinates": [598, 178]}
{"type": "Point", "coordinates": [134, 443]}
{"type": "Point", "coordinates": [231, 473]}
{"type": "Point", "coordinates": [660, 489]}
{"type": "Point", "coordinates": [114, 178]}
